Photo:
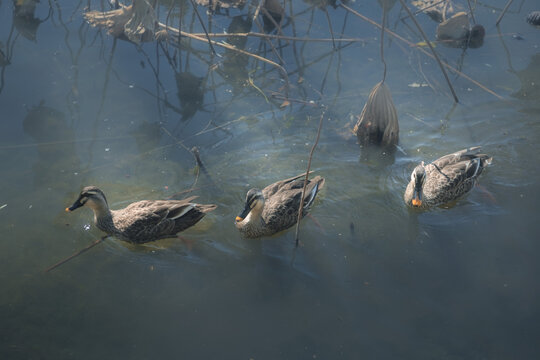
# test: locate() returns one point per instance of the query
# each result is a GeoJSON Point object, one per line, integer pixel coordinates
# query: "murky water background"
{"type": "Point", "coordinates": [371, 279]}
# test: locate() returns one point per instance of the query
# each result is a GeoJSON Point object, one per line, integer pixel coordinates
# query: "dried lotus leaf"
{"type": "Point", "coordinates": [455, 28]}
{"type": "Point", "coordinates": [378, 122]}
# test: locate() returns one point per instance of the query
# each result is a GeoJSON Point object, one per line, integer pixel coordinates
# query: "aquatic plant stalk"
{"type": "Point", "coordinates": [301, 208]}
{"type": "Point", "coordinates": [423, 9]}
{"type": "Point", "coordinates": [230, 47]}
{"type": "Point", "coordinates": [281, 37]}
{"type": "Point", "coordinates": [503, 12]}
{"type": "Point", "coordinates": [330, 27]}
{"type": "Point", "coordinates": [98, 241]}
{"type": "Point", "coordinates": [471, 11]}
{"type": "Point", "coordinates": [382, 42]}
{"type": "Point", "coordinates": [393, 34]}
{"type": "Point", "coordinates": [432, 49]}
{"type": "Point", "coordinates": [204, 27]}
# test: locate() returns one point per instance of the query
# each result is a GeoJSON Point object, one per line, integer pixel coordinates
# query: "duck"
{"type": "Point", "coordinates": [275, 208]}
{"type": "Point", "coordinates": [445, 179]}
{"type": "Point", "coordinates": [142, 221]}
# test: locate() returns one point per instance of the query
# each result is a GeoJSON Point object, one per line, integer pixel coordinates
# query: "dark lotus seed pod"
{"type": "Point", "coordinates": [534, 18]}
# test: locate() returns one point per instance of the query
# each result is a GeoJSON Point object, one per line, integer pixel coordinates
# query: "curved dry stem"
{"type": "Point", "coordinates": [301, 208]}
{"type": "Point", "coordinates": [393, 34]}
{"type": "Point", "coordinates": [431, 48]}
{"type": "Point", "coordinates": [230, 47]}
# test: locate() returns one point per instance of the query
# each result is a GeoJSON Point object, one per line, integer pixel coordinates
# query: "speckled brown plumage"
{"type": "Point", "coordinates": [142, 221]}
{"type": "Point", "coordinates": [275, 208]}
{"type": "Point", "coordinates": [446, 178]}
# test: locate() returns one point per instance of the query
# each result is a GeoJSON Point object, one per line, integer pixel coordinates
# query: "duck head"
{"type": "Point", "coordinates": [91, 196]}
{"type": "Point", "coordinates": [254, 204]}
{"type": "Point", "coordinates": [418, 177]}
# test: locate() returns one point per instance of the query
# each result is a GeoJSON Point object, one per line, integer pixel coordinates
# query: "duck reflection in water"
{"type": "Point", "coordinates": [24, 19]}
{"type": "Point", "coordinates": [55, 141]}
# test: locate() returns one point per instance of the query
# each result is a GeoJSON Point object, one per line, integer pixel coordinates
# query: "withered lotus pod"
{"type": "Point", "coordinates": [378, 122]}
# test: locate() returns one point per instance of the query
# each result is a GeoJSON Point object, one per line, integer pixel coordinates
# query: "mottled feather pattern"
{"type": "Point", "coordinates": [449, 177]}
{"type": "Point", "coordinates": [281, 205]}
{"type": "Point", "coordinates": [154, 219]}
{"type": "Point", "coordinates": [534, 18]}
{"type": "Point", "coordinates": [145, 220]}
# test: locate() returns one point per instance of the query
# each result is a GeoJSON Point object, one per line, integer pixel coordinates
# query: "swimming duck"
{"type": "Point", "coordinates": [445, 179]}
{"type": "Point", "coordinates": [142, 221]}
{"type": "Point", "coordinates": [275, 208]}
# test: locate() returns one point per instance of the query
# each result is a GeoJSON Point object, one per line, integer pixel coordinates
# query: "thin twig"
{"type": "Point", "coordinates": [195, 152]}
{"type": "Point", "coordinates": [233, 48]}
{"type": "Point", "coordinates": [503, 12]}
{"type": "Point", "coordinates": [204, 27]}
{"type": "Point", "coordinates": [382, 42]}
{"type": "Point", "coordinates": [280, 37]}
{"type": "Point", "coordinates": [423, 9]}
{"type": "Point", "coordinates": [330, 27]}
{"type": "Point", "coordinates": [425, 52]}
{"type": "Point", "coordinates": [301, 208]}
{"type": "Point", "coordinates": [471, 11]}
{"type": "Point", "coordinates": [76, 254]}
{"type": "Point", "coordinates": [258, 9]}
{"type": "Point", "coordinates": [432, 49]}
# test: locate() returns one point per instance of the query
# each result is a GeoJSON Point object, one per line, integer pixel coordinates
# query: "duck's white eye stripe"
{"type": "Point", "coordinates": [91, 193]}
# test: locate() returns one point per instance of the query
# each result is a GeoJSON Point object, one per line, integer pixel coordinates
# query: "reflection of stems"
{"type": "Point", "coordinates": [200, 165]}
{"type": "Point", "coordinates": [506, 51]}
{"type": "Point", "coordinates": [202, 24]}
{"type": "Point", "coordinates": [9, 55]}
{"type": "Point", "coordinates": [471, 11]}
{"type": "Point", "coordinates": [382, 42]}
{"type": "Point", "coordinates": [503, 12]}
{"type": "Point", "coordinates": [423, 9]}
{"type": "Point", "coordinates": [432, 49]}
{"type": "Point", "coordinates": [233, 48]}
{"type": "Point", "coordinates": [280, 37]}
{"type": "Point", "coordinates": [393, 34]}
{"type": "Point", "coordinates": [281, 61]}
{"type": "Point", "coordinates": [301, 208]}
{"type": "Point", "coordinates": [330, 27]}
{"type": "Point", "coordinates": [250, 81]}
{"type": "Point", "coordinates": [98, 241]}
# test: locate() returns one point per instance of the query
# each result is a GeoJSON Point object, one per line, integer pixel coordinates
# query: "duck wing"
{"type": "Point", "coordinates": [151, 220]}
{"type": "Point", "coordinates": [281, 210]}
{"type": "Point", "coordinates": [271, 189]}
{"type": "Point", "coordinates": [458, 156]}
{"type": "Point", "coordinates": [456, 171]}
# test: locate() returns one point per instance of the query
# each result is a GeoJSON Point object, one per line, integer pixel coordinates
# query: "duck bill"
{"type": "Point", "coordinates": [417, 198]}
{"type": "Point", "coordinates": [77, 204]}
{"type": "Point", "coordinates": [243, 214]}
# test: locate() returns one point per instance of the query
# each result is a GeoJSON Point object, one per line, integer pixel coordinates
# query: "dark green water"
{"type": "Point", "coordinates": [371, 279]}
